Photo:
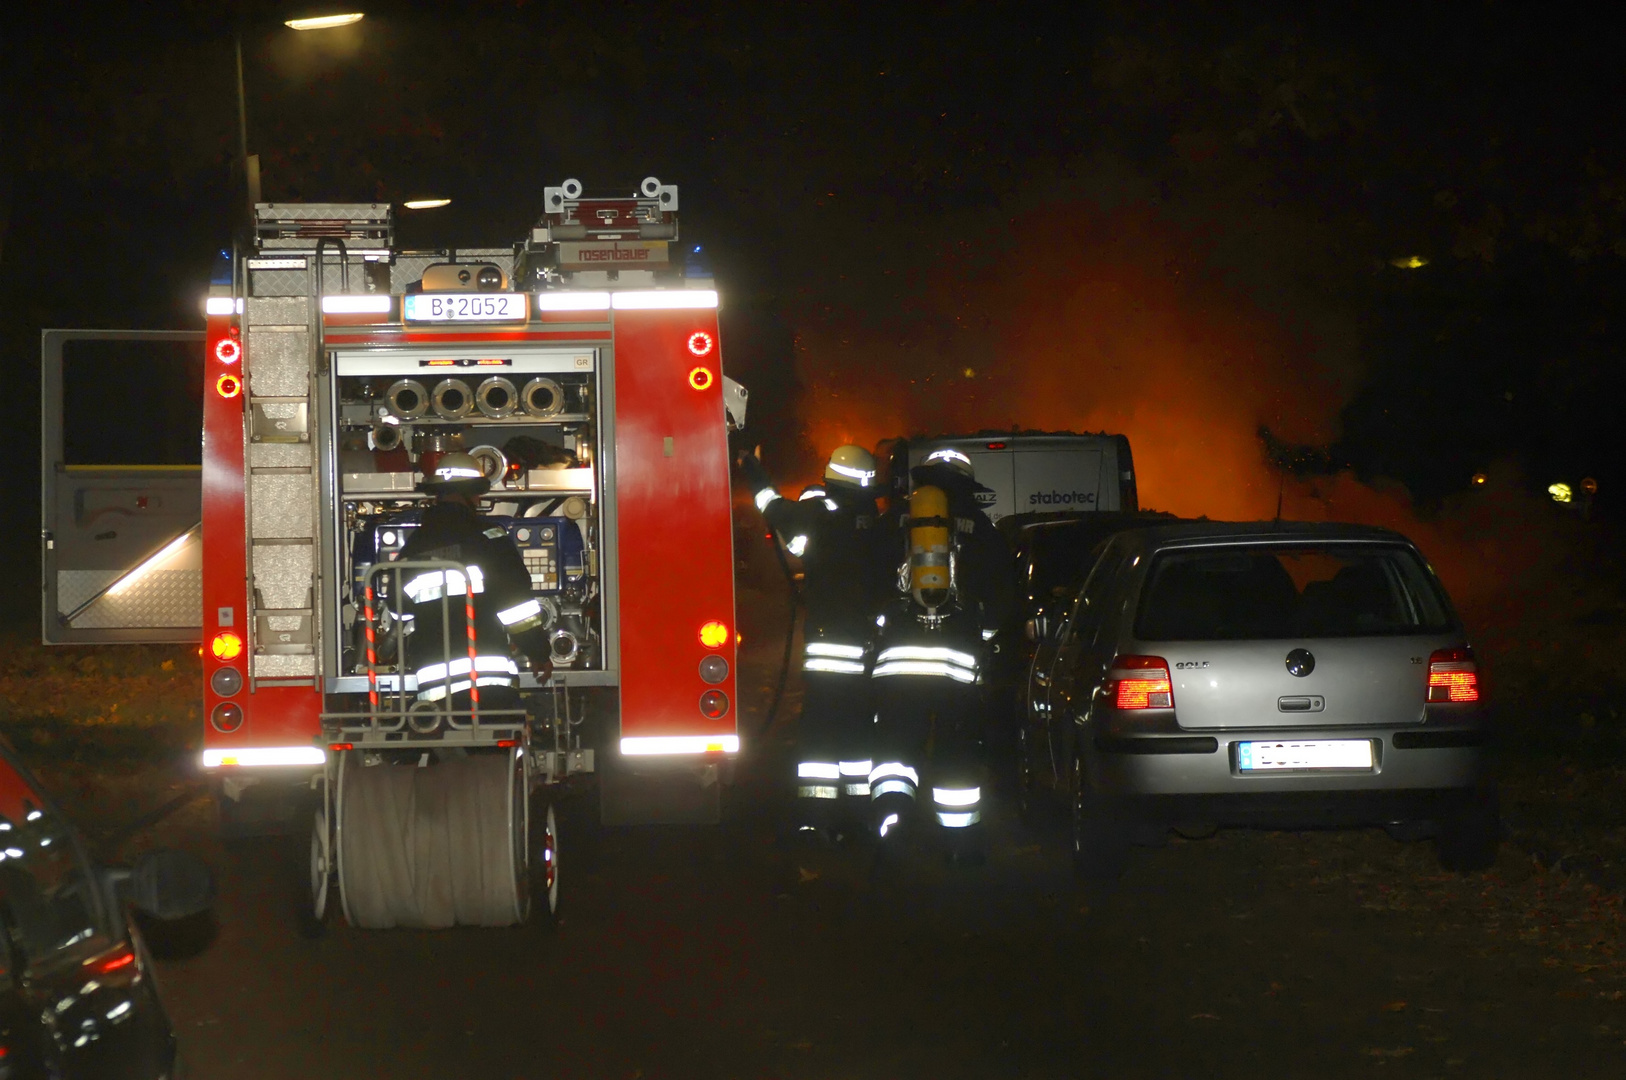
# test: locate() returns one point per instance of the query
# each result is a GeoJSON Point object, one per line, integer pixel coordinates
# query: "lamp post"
{"type": "Point", "coordinates": [250, 164]}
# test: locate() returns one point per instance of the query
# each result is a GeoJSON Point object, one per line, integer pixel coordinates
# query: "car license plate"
{"type": "Point", "coordinates": [464, 307]}
{"type": "Point", "coordinates": [1321, 754]}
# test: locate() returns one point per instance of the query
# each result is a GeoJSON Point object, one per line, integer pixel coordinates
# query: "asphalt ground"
{"type": "Point", "coordinates": [734, 951]}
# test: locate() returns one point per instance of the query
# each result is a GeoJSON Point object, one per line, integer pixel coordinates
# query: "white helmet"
{"type": "Point", "coordinates": [851, 465]}
{"type": "Point", "coordinates": [954, 459]}
{"type": "Point", "coordinates": [458, 473]}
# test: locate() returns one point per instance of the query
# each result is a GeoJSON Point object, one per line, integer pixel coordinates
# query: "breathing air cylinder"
{"type": "Point", "coordinates": [930, 570]}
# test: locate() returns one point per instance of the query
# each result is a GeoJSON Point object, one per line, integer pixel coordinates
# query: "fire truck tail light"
{"type": "Point", "coordinates": [228, 350]}
{"type": "Point", "coordinates": [226, 717]}
{"type": "Point", "coordinates": [222, 305]}
{"type": "Point", "coordinates": [700, 378]}
{"type": "Point", "coordinates": [700, 343]}
{"type": "Point", "coordinates": [573, 301]}
{"type": "Point", "coordinates": [1141, 682]}
{"type": "Point", "coordinates": [1453, 676]}
{"type": "Point", "coordinates": [651, 745]}
{"type": "Point", "coordinates": [663, 299]}
{"type": "Point", "coordinates": [714, 635]}
{"type": "Point", "coordinates": [713, 704]}
{"type": "Point", "coordinates": [227, 646]}
{"type": "Point", "coordinates": [249, 756]}
{"type": "Point", "coordinates": [356, 305]}
{"type": "Point", "coordinates": [228, 386]}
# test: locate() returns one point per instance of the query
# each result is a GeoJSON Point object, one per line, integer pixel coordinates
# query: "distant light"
{"type": "Point", "coordinates": [324, 22]}
{"type": "Point", "coordinates": [1409, 262]}
{"type": "Point", "coordinates": [970, 373]}
{"type": "Point", "coordinates": [1561, 493]}
{"type": "Point", "coordinates": [426, 204]}
{"type": "Point", "coordinates": [1480, 479]}
{"type": "Point", "coordinates": [1590, 486]}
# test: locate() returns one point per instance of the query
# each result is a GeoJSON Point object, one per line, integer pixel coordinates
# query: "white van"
{"type": "Point", "coordinates": [1029, 472]}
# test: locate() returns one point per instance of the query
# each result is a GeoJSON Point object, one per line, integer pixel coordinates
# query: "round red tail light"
{"type": "Point", "coordinates": [700, 343]}
{"type": "Point", "coordinates": [714, 704]}
{"type": "Point", "coordinates": [228, 386]}
{"type": "Point", "coordinates": [226, 717]}
{"type": "Point", "coordinates": [228, 351]}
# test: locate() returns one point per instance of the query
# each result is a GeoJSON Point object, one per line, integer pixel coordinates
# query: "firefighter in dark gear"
{"type": "Point", "coordinates": [439, 648]}
{"type": "Point", "coordinates": [835, 530]}
{"type": "Point", "coordinates": [952, 595]}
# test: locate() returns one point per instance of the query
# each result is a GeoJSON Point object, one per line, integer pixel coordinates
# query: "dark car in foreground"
{"type": "Point", "coordinates": [76, 987]}
{"type": "Point", "coordinates": [1279, 675]}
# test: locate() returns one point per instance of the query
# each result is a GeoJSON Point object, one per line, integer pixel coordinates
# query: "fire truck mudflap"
{"type": "Point", "coordinates": [582, 368]}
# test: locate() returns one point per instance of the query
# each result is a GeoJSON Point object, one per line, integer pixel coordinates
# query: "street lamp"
{"type": "Point", "coordinates": [251, 164]}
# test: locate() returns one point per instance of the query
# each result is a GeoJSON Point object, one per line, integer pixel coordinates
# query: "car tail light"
{"type": "Point", "coordinates": [1141, 682]}
{"type": "Point", "coordinates": [1453, 675]}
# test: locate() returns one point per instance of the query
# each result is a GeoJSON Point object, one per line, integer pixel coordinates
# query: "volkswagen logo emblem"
{"type": "Point", "coordinates": [1300, 662]}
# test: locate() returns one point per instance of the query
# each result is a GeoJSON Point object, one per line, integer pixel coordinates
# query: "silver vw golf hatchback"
{"type": "Point", "coordinates": [1279, 675]}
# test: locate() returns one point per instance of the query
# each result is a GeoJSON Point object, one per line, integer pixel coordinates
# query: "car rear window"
{"type": "Point", "coordinates": [1275, 591]}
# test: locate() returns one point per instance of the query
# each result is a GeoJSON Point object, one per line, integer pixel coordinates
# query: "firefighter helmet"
{"type": "Point", "coordinates": [954, 459]}
{"type": "Point", "coordinates": [456, 473]}
{"type": "Point", "coordinates": [851, 465]}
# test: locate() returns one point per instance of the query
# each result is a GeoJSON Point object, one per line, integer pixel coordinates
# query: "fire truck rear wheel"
{"type": "Point", "coordinates": [545, 863]}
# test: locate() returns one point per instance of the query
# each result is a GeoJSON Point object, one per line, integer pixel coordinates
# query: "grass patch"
{"type": "Point", "coordinates": [104, 706]}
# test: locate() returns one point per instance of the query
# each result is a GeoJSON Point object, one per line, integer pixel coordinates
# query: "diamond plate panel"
{"type": "Point", "coordinates": [276, 311]}
{"type": "Point", "coordinates": [279, 455]}
{"type": "Point", "coordinates": [279, 363]}
{"type": "Point", "coordinates": [159, 598]}
{"type": "Point", "coordinates": [274, 666]}
{"type": "Point", "coordinates": [279, 282]}
{"type": "Point", "coordinates": [280, 506]}
{"type": "Point", "coordinates": [283, 575]}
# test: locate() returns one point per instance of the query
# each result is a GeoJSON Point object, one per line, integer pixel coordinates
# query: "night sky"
{"type": "Point", "coordinates": [1166, 220]}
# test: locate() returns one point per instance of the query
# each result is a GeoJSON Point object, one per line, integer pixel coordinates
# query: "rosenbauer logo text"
{"type": "Point", "coordinates": [1062, 498]}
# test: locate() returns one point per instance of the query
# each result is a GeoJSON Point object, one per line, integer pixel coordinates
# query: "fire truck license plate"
{"type": "Point", "coordinates": [464, 307]}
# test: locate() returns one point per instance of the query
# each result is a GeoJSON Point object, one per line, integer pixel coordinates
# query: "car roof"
{"type": "Point", "coordinates": [1197, 533]}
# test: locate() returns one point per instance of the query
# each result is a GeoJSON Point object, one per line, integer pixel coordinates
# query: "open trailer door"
{"type": "Point", "coordinates": [121, 496]}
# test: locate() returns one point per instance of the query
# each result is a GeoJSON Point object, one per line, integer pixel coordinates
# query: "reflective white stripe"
{"type": "Point", "coordinates": [436, 693]}
{"type": "Point", "coordinates": [948, 453]}
{"type": "Point", "coordinates": [796, 545]}
{"type": "Point", "coordinates": [680, 744]}
{"type": "Point", "coordinates": [663, 298]}
{"type": "Point", "coordinates": [949, 796]}
{"type": "Point", "coordinates": [222, 305]}
{"type": "Point", "coordinates": [928, 652]}
{"type": "Point", "coordinates": [838, 667]}
{"type": "Point", "coordinates": [826, 648]}
{"type": "Point", "coordinates": [958, 821]}
{"type": "Point", "coordinates": [810, 493]}
{"type": "Point", "coordinates": [529, 609]}
{"type": "Point", "coordinates": [856, 768]}
{"type": "Point", "coordinates": [351, 304]}
{"type": "Point", "coordinates": [439, 672]}
{"type": "Point", "coordinates": [818, 770]}
{"type": "Point", "coordinates": [457, 472]}
{"type": "Point", "coordinates": [818, 791]}
{"type": "Point", "coordinates": [924, 667]}
{"type": "Point", "coordinates": [764, 497]}
{"type": "Point", "coordinates": [988, 635]}
{"type": "Point", "coordinates": [858, 789]}
{"type": "Point", "coordinates": [428, 586]}
{"type": "Point", "coordinates": [830, 505]}
{"type": "Point", "coordinates": [573, 301]}
{"type": "Point", "coordinates": [265, 755]}
{"type": "Point", "coordinates": [863, 476]}
{"type": "Point", "coordinates": [891, 820]}
{"type": "Point", "coordinates": [893, 768]}
{"type": "Point", "coordinates": [887, 787]}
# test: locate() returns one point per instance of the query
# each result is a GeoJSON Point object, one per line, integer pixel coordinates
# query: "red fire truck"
{"type": "Point", "coordinates": [582, 369]}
